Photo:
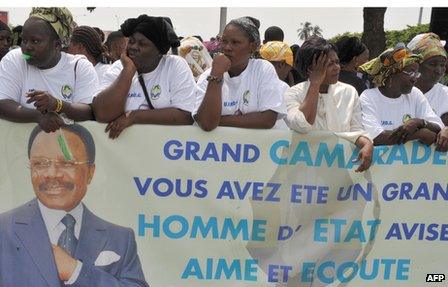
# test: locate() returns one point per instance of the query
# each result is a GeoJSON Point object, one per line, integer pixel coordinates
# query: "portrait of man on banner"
{"type": "Point", "coordinates": [54, 239]}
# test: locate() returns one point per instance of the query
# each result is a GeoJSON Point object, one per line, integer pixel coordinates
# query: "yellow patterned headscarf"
{"type": "Point", "coordinates": [277, 51]}
{"type": "Point", "coordinates": [389, 62]}
{"type": "Point", "coordinates": [428, 45]}
{"type": "Point", "coordinates": [59, 18]}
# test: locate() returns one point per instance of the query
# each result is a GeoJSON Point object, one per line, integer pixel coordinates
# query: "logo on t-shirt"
{"type": "Point", "coordinates": [66, 91]}
{"type": "Point", "coordinates": [246, 97]}
{"type": "Point", "coordinates": [155, 92]}
{"type": "Point", "coordinates": [406, 118]}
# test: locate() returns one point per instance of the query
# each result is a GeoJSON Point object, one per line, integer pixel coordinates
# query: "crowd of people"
{"type": "Point", "coordinates": [53, 72]}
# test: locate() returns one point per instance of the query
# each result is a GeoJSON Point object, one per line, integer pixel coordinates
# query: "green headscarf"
{"type": "Point", "coordinates": [59, 18]}
{"type": "Point", "coordinates": [389, 62]}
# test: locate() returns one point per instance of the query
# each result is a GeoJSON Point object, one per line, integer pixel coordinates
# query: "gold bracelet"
{"type": "Point", "coordinates": [58, 106]}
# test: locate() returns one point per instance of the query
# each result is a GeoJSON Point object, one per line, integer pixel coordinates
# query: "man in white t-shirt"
{"type": "Point", "coordinates": [38, 82]}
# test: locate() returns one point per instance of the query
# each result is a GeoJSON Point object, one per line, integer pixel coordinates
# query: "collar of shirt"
{"type": "Point", "coordinates": [52, 219]}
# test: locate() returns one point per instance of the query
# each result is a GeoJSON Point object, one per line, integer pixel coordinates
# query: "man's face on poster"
{"type": "Point", "coordinates": [58, 181]}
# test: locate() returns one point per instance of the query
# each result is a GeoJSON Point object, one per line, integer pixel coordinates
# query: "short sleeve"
{"type": "Point", "coordinates": [270, 90]}
{"type": "Point", "coordinates": [110, 75]}
{"type": "Point", "coordinates": [11, 76]}
{"type": "Point", "coordinates": [200, 91]}
{"type": "Point", "coordinates": [182, 85]}
{"type": "Point", "coordinates": [424, 110]}
{"type": "Point", "coordinates": [370, 120]}
{"type": "Point", "coordinates": [86, 85]}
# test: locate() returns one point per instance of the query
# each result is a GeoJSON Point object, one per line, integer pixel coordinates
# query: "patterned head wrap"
{"type": "Point", "coordinates": [428, 45]}
{"type": "Point", "coordinates": [59, 18]}
{"type": "Point", "coordinates": [249, 25]}
{"type": "Point", "coordinates": [389, 62]}
{"type": "Point", "coordinates": [196, 55]}
{"type": "Point", "coordinates": [157, 29]}
{"type": "Point", "coordinates": [277, 51]}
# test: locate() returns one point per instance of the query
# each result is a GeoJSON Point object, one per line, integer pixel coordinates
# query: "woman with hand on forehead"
{"type": "Point", "coordinates": [396, 112]}
{"type": "Point", "coordinates": [39, 82]}
{"type": "Point", "coordinates": [146, 86]}
{"type": "Point", "coordinates": [323, 103]}
{"type": "Point", "coordinates": [238, 91]}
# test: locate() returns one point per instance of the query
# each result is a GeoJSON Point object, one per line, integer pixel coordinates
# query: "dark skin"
{"type": "Point", "coordinates": [323, 72]}
{"type": "Point", "coordinates": [141, 56]}
{"type": "Point", "coordinates": [5, 42]}
{"type": "Point", "coordinates": [413, 129]}
{"type": "Point", "coordinates": [236, 50]}
{"type": "Point", "coordinates": [40, 42]}
{"type": "Point", "coordinates": [432, 70]}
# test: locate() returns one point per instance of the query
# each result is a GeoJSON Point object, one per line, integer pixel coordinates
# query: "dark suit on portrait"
{"type": "Point", "coordinates": [26, 256]}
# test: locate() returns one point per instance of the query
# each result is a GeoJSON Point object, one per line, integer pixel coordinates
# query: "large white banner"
{"type": "Point", "coordinates": [239, 207]}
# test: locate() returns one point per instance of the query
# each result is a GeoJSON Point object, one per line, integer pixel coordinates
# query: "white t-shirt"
{"type": "Point", "coordinates": [438, 99]}
{"type": "Point", "coordinates": [17, 78]}
{"type": "Point", "coordinates": [338, 111]}
{"type": "Point", "coordinates": [170, 85]}
{"type": "Point", "coordinates": [256, 89]}
{"type": "Point", "coordinates": [380, 113]}
{"type": "Point", "coordinates": [101, 70]}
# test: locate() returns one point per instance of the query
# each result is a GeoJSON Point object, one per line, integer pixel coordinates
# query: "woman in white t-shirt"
{"type": "Point", "coordinates": [239, 91]}
{"type": "Point", "coordinates": [39, 82]}
{"type": "Point", "coordinates": [87, 41]}
{"type": "Point", "coordinates": [396, 112]}
{"type": "Point", "coordinates": [432, 69]}
{"type": "Point", "coordinates": [146, 86]}
{"type": "Point", "coordinates": [323, 103]}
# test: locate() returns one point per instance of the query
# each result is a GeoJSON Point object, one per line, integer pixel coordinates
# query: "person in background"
{"type": "Point", "coordinates": [196, 55]}
{"type": "Point", "coordinates": [323, 103]}
{"type": "Point", "coordinates": [280, 56]}
{"type": "Point", "coordinates": [396, 112]}
{"type": "Point", "coordinates": [239, 91]}
{"type": "Point", "coordinates": [86, 41]}
{"type": "Point", "coordinates": [5, 39]}
{"type": "Point", "coordinates": [146, 86]}
{"type": "Point", "coordinates": [101, 33]}
{"type": "Point", "coordinates": [116, 45]}
{"type": "Point", "coordinates": [213, 46]}
{"type": "Point", "coordinates": [297, 78]}
{"type": "Point", "coordinates": [40, 83]}
{"type": "Point", "coordinates": [273, 33]}
{"type": "Point", "coordinates": [432, 69]}
{"type": "Point", "coordinates": [17, 36]}
{"type": "Point", "coordinates": [352, 53]}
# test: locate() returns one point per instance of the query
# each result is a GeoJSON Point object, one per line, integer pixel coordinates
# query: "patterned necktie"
{"type": "Point", "coordinates": [67, 240]}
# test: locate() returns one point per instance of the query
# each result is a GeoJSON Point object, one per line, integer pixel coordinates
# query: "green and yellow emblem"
{"type": "Point", "coordinates": [406, 118]}
{"type": "Point", "coordinates": [155, 92]}
{"type": "Point", "coordinates": [66, 91]}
